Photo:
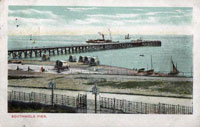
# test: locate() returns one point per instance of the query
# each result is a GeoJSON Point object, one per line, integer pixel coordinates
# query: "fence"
{"type": "Point", "coordinates": [123, 106]}
{"type": "Point", "coordinates": [107, 105]}
{"type": "Point", "coordinates": [79, 102]}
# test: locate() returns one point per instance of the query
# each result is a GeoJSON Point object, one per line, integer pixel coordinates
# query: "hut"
{"type": "Point", "coordinates": [94, 61]}
{"type": "Point", "coordinates": [80, 59]}
{"type": "Point", "coordinates": [72, 58]}
{"type": "Point", "coordinates": [86, 59]}
{"type": "Point", "coordinates": [60, 64]}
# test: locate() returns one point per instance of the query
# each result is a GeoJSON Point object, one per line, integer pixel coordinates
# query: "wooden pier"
{"type": "Point", "coordinates": [38, 52]}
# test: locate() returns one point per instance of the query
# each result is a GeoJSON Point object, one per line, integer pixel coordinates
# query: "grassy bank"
{"type": "Point", "coordinates": [19, 107]}
{"type": "Point", "coordinates": [183, 87]}
{"type": "Point", "coordinates": [107, 83]}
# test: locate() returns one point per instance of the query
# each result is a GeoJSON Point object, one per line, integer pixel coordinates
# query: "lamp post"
{"type": "Point", "coordinates": [52, 85]}
{"type": "Point", "coordinates": [95, 91]}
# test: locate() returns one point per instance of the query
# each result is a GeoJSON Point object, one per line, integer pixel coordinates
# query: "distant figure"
{"type": "Point", "coordinates": [17, 68]}
{"type": "Point", "coordinates": [42, 69]}
{"type": "Point", "coordinates": [29, 69]}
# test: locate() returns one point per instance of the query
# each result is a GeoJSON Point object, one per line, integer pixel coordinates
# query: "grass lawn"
{"type": "Point", "coordinates": [178, 87]}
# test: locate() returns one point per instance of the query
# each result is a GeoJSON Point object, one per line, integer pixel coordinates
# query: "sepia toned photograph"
{"type": "Point", "coordinates": [100, 59]}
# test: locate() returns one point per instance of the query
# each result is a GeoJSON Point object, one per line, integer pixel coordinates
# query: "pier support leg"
{"type": "Point", "coordinates": [49, 52]}
{"type": "Point", "coordinates": [40, 53]}
{"type": "Point", "coordinates": [36, 55]}
{"type": "Point", "coordinates": [25, 54]}
{"type": "Point", "coordinates": [14, 55]}
{"type": "Point", "coordinates": [20, 54]}
{"type": "Point", "coordinates": [58, 51]}
{"type": "Point", "coordinates": [31, 54]}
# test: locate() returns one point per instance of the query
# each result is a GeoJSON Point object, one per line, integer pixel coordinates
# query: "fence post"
{"type": "Point", "coordinates": [24, 96]}
{"type": "Point", "coordinates": [62, 99]}
{"type": "Point", "coordinates": [178, 109]}
{"type": "Point", "coordinates": [145, 108]}
{"type": "Point", "coordinates": [164, 109]}
{"type": "Point", "coordinates": [74, 101]}
{"type": "Point", "coordinates": [33, 99]}
{"type": "Point", "coordinates": [15, 95]}
{"type": "Point", "coordinates": [19, 97]}
{"type": "Point", "coordinates": [159, 108]}
{"type": "Point", "coordinates": [86, 102]}
{"type": "Point", "coordinates": [11, 95]}
{"type": "Point", "coordinates": [95, 99]}
{"type": "Point", "coordinates": [40, 98]}
{"type": "Point", "coordinates": [136, 107]}
{"type": "Point", "coordinates": [45, 98]}
{"type": "Point", "coordinates": [117, 105]}
{"type": "Point", "coordinates": [114, 104]}
{"type": "Point", "coordinates": [101, 103]}
{"type": "Point", "coordinates": [29, 97]}
{"type": "Point", "coordinates": [124, 101]}
{"type": "Point", "coordinates": [141, 107]}
{"type": "Point", "coordinates": [68, 101]}
{"type": "Point", "coordinates": [56, 99]}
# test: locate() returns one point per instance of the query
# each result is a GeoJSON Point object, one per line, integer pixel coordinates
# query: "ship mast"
{"type": "Point", "coordinates": [151, 63]}
{"type": "Point", "coordinates": [31, 37]}
{"type": "Point", "coordinates": [110, 34]}
{"type": "Point", "coordinates": [174, 68]}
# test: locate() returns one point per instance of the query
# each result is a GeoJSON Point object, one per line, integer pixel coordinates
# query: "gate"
{"type": "Point", "coordinates": [81, 102]}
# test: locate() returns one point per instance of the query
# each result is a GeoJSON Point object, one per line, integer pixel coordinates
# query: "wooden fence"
{"type": "Point", "coordinates": [107, 105]}
{"type": "Point", "coordinates": [123, 106]}
{"type": "Point", "coordinates": [79, 102]}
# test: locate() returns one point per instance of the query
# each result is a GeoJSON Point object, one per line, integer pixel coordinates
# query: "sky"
{"type": "Point", "coordinates": [80, 20]}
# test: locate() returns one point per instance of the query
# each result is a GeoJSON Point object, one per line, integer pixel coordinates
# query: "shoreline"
{"type": "Point", "coordinates": [81, 77]}
{"type": "Point", "coordinates": [104, 69]}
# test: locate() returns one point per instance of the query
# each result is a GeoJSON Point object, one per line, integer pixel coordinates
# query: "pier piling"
{"type": "Point", "coordinates": [20, 53]}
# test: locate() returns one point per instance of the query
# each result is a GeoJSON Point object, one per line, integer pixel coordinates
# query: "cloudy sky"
{"type": "Point", "coordinates": [62, 20]}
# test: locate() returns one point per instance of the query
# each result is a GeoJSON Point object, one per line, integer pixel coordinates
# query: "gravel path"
{"type": "Point", "coordinates": [48, 69]}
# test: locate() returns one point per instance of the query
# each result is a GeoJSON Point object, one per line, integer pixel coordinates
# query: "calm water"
{"type": "Point", "coordinates": [179, 47]}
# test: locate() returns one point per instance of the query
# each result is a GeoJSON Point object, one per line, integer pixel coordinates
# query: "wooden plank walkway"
{"type": "Point", "coordinates": [38, 52]}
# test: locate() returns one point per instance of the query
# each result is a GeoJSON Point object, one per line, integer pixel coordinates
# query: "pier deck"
{"type": "Point", "coordinates": [38, 52]}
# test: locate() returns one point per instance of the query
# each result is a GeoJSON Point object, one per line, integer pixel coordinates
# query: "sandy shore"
{"type": "Point", "coordinates": [83, 77]}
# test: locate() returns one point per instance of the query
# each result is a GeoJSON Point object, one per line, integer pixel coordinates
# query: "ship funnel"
{"type": "Point", "coordinates": [101, 35]}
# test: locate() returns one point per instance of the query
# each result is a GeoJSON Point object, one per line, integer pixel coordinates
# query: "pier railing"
{"type": "Point", "coordinates": [113, 105]}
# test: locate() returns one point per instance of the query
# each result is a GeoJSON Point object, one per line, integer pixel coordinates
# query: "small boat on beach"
{"type": "Point", "coordinates": [141, 70]}
{"type": "Point", "coordinates": [151, 71]}
{"type": "Point", "coordinates": [174, 70]}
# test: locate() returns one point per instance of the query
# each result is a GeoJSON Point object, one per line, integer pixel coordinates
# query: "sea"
{"type": "Point", "coordinates": [177, 47]}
